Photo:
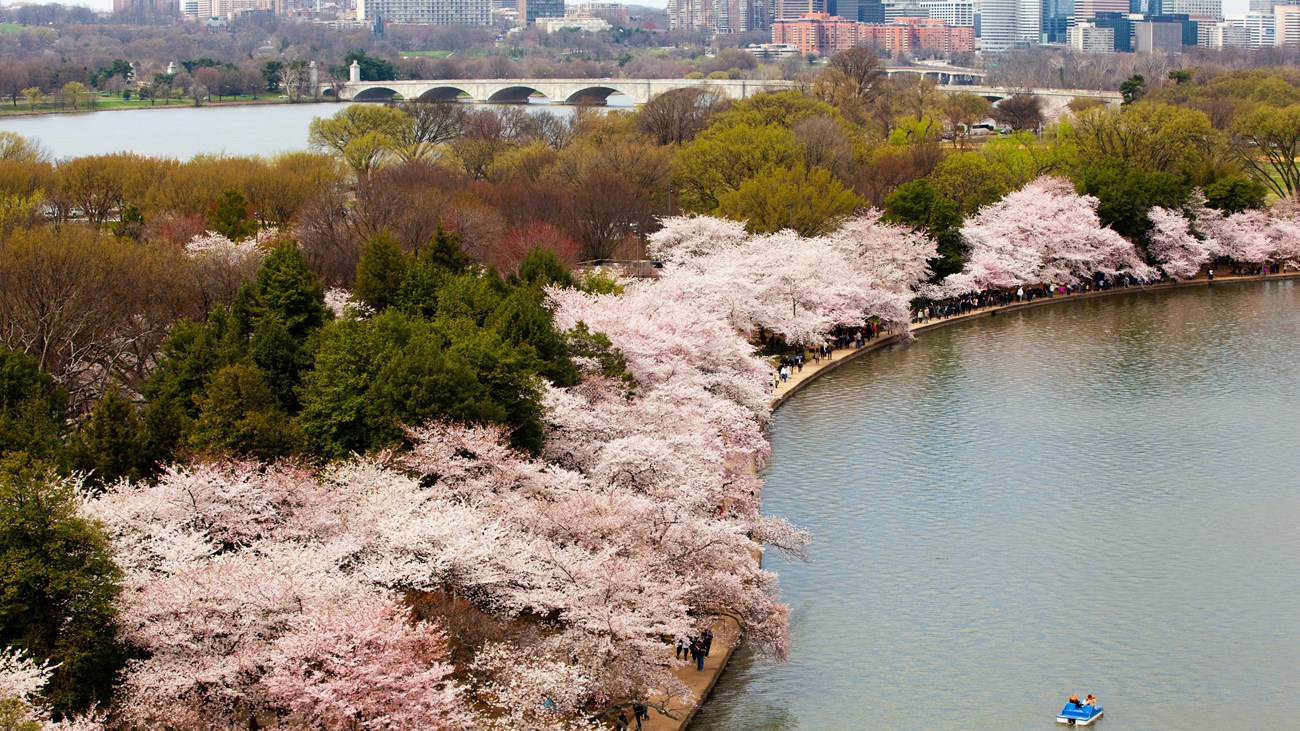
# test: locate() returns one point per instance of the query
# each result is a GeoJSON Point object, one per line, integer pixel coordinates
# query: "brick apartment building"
{"type": "Point", "coordinates": [825, 35]}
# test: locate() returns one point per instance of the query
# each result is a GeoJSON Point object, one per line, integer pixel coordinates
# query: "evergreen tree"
{"type": "Point", "coordinates": [287, 287]}
{"type": "Point", "coordinates": [541, 267]}
{"type": "Point", "coordinates": [240, 414]}
{"type": "Point", "coordinates": [111, 443]}
{"type": "Point", "coordinates": [33, 409]}
{"type": "Point", "coordinates": [57, 584]}
{"type": "Point", "coordinates": [229, 216]}
{"type": "Point", "coordinates": [380, 272]}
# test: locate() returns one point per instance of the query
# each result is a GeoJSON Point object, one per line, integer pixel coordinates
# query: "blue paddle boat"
{"type": "Point", "coordinates": [1079, 715]}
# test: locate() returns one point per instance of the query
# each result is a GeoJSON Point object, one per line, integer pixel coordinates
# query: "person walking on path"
{"type": "Point", "coordinates": [639, 713]}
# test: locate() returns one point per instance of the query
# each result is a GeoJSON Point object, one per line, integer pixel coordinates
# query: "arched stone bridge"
{"type": "Point", "coordinates": [639, 91]}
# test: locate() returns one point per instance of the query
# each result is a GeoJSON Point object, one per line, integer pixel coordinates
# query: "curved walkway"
{"type": "Point", "coordinates": [726, 634]}
{"type": "Point", "coordinates": [811, 370]}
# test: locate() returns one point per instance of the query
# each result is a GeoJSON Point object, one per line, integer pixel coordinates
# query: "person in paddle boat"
{"type": "Point", "coordinates": [1074, 700]}
{"type": "Point", "coordinates": [1091, 700]}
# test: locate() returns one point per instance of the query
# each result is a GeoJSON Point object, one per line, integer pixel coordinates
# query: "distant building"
{"type": "Point", "coordinates": [1286, 26]}
{"type": "Point", "coordinates": [1088, 9]}
{"type": "Point", "coordinates": [865, 11]}
{"type": "Point", "coordinates": [995, 25]}
{"type": "Point", "coordinates": [532, 10]}
{"type": "Point", "coordinates": [1195, 9]}
{"type": "Point", "coordinates": [1149, 36]}
{"type": "Point", "coordinates": [1223, 34]}
{"type": "Point", "coordinates": [1122, 26]}
{"type": "Point", "coordinates": [586, 25]}
{"type": "Point", "coordinates": [427, 12]}
{"type": "Point", "coordinates": [614, 13]}
{"type": "Point", "coordinates": [1086, 37]}
{"type": "Point", "coordinates": [796, 9]}
{"type": "Point", "coordinates": [957, 13]}
{"type": "Point", "coordinates": [1259, 29]}
{"type": "Point", "coordinates": [1263, 7]}
{"type": "Point", "coordinates": [717, 16]}
{"type": "Point", "coordinates": [149, 7]}
{"type": "Point", "coordinates": [825, 35]}
{"type": "Point", "coordinates": [773, 50]}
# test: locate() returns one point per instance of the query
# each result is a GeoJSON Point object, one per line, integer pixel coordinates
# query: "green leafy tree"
{"type": "Point", "coordinates": [1235, 193]}
{"type": "Point", "coordinates": [373, 68]}
{"type": "Point", "coordinates": [921, 205]}
{"type": "Point", "coordinates": [811, 202]}
{"type": "Point", "coordinates": [33, 409]}
{"type": "Point", "coordinates": [541, 267]}
{"type": "Point", "coordinates": [287, 287]}
{"type": "Point", "coordinates": [380, 271]}
{"type": "Point", "coordinates": [229, 216]}
{"type": "Point", "coordinates": [111, 443]}
{"type": "Point", "coordinates": [240, 414]}
{"type": "Point", "coordinates": [522, 320]}
{"type": "Point", "coordinates": [58, 583]}
{"type": "Point", "coordinates": [1267, 142]}
{"type": "Point", "coordinates": [373, 376]}
{"type": "Point", "coordinates": [76, 93]}
{"type": "Point", "coordinates": [720, 159]}
{"type": "Point", "coordinates": [361, 134]}
{"type": "Point", "coordinates": [1126, 194]}
{"type": "Point", "coordinates": [1133, 88]}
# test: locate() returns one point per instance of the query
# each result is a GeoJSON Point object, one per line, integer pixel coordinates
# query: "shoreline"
{"type": "Point", "coordinates": [811, 371]}
{"type": "Point", "coordinates": [182, 104]}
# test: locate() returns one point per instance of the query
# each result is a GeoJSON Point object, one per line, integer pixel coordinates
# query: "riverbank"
{"type": "Point", "coordinates": [703, 683]}
{"type": "Point", "coordinates": [111, 105]}
{"type": "Point", "coordinates": [812, 370]}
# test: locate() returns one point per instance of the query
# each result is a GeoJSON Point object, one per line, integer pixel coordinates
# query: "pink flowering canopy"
{"type": "Point", "coordinates": [1044, 233]}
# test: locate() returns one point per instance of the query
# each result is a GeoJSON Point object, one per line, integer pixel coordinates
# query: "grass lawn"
{"type": "Point", "coordinates": [10, 27]}
{"type": "Point", "coordinates": [426, 54]}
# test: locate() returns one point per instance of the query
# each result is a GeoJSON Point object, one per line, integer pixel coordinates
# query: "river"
{"type": "Point", "coordinates": [1092, 497]}
{"type": "Point", "coordinates": [184, 131]}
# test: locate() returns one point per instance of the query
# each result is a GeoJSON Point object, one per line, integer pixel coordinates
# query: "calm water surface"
{"type": "Point", "coordinates": [1097, 497]}
{"type": "Point", "coordinates": [183, 132]}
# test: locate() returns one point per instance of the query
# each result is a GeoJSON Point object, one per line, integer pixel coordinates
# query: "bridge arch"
{"type": "Point", "coordinates": [444, 94]}
{"type": "Point", "coordinates": [376, 94]}
{"type": "Point", "coordinates": [593, 95]}
{"type": "Point", "coordinates": [514, 95]}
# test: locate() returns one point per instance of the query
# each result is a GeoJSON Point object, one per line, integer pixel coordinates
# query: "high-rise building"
{"type": "Point", "coordinates": [1086, 37]}
{"type": "Point", "coordinates": [1056, 16]}
{"type": "Point", "coordinates": [530, 10]}
{"type": "Point", "coordinates": [146, 7]}
{"type": "Point", "coordinates": [428, 12]}
{"type": "Point", "coordinates": [1263, 7]}
{"type": "Point", "coordinates": [1029, 22]}
{"type": "Point", "coordinates": [957, 13]}
{"type": "Point", "coordinates": [1224, 34]}
{"type": "Point", "coordinates": [1286, 26]}
{"type": "Point", "coordinates": [1121, 25]}
{"type": "Point", "coordinates": [865, 11]}
{"type": "Point", "coordinates": [1088, 9]}
{"type": "Point", "coordinates": [614, 13]}
{"type": "Point", "coordinates": [1195, 9]}
{"type": "Point", "coordinates": [825, 35]}
{"type": "Point", "coordinates": [996, 25]}
{"type": "Point", "coordinates": [1149, 36]}
{"type": "Point", "coordinates": [717, 16]}
{"type": "Point", "coordinates": [796, 9]}
{"type": "Point", "coordinates": [1259, 29]}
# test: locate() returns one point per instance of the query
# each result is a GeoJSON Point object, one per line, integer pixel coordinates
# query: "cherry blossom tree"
{"type": "Point", "coordinates": [22, 705]}
{"type": "Point", "coordinates": [1044, 233]}
{"type": "Point", "coordinates": [1171, 244]}
{"type": "Point", "coordinates": [361, 664]}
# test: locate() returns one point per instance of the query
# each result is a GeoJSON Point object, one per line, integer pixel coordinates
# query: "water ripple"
{"type": "Point", "coordinates": [1098, 496]}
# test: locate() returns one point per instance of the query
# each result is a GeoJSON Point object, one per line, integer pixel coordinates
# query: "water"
{"type": "Point", "coordinates": [183, 131]}
{"type": "Point", "coordinates": [1094, 497]}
